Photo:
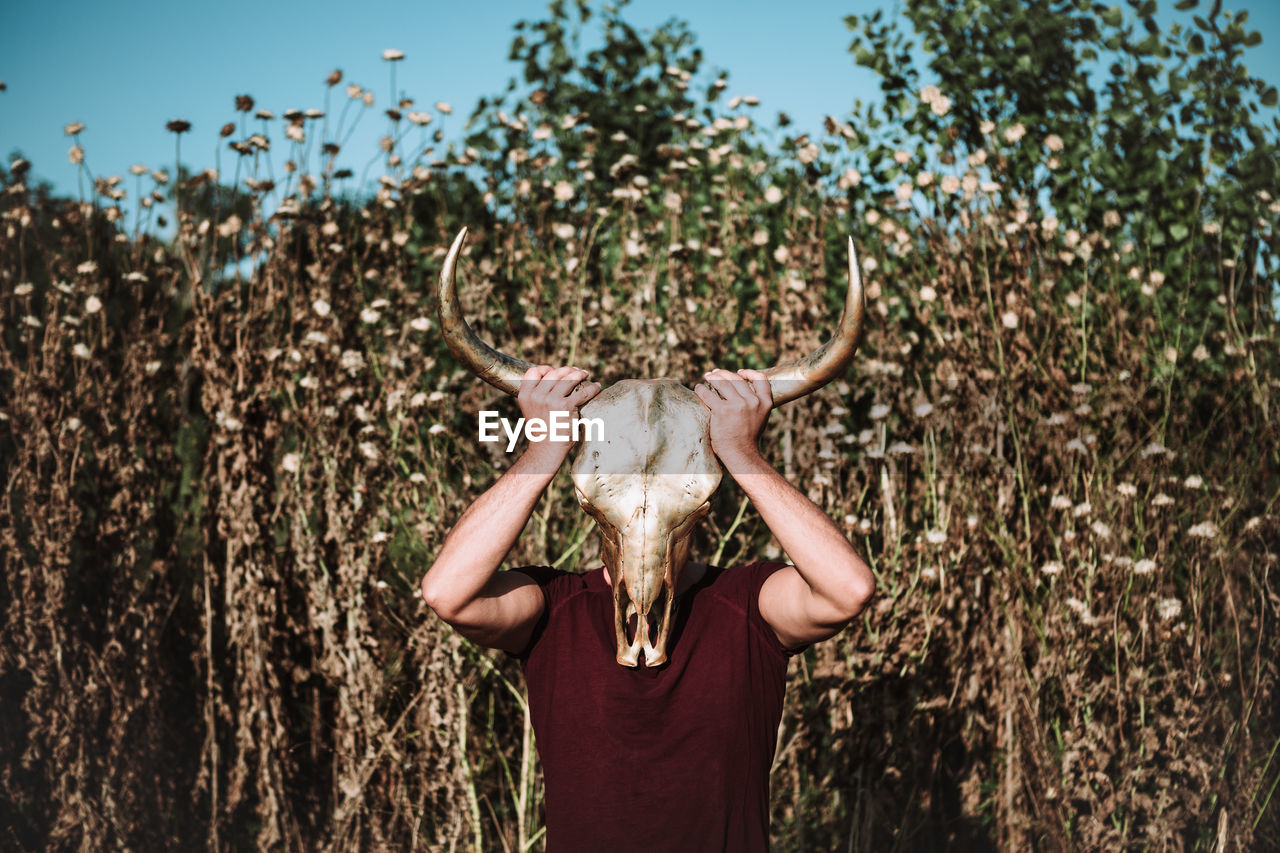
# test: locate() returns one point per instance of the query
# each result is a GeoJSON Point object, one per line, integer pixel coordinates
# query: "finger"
{"type": "Point", "coordinates": [546, 384]}
{"type": "Point", "coordinates": [571, 380]}
{"type": "Point", "coordinates": [760, 383]}
{"type": "Point", "coordinates": [730, 385]}
{"type": "Point", "coordinates": [711, 384]}
{"type": "Point", "coordinates": [584, 393]}
{"type": "Point", "coordinates": [708, 397]}
{"type": "Point", "coordinates": [529, 382]}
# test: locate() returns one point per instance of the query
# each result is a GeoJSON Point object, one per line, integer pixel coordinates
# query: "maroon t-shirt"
{"type": "Point", "coordinates": [671, 758]}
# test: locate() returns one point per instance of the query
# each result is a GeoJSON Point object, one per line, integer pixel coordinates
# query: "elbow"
{"type": "Point", "coordinates": [858, 593]}
{"type": "Point", "coordinates": [438, 599]}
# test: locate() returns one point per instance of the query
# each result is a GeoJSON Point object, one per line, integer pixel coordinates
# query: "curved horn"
{"type": "Point", "coordinates": [497, 368]}
{"type": "Point", "coordinates": [805, 375]}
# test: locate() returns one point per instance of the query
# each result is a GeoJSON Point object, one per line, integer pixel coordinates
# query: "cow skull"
{"type": "Point", "coordinates": [649, 480]}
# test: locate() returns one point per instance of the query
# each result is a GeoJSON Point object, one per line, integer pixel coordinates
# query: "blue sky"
{"type": "Point", "coordinates": [124, 69]}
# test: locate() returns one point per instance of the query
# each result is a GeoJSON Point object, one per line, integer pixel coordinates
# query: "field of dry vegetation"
{"type": "Point", "coordinates": [229, 453]}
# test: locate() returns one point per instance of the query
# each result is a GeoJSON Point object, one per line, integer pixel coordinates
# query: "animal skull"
{"type": "Point", "coordinates": [649, 480]}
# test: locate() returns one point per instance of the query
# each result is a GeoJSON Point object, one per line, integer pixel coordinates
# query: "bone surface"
{"type": "Point", "coordinates": [647, 483]}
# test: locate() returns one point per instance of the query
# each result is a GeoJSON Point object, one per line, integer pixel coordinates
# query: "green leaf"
{"type": "Point", "coordinates": [1185, 5]}
{"type": "Point", "coordinates": [1270, 97]}
{"type": "Point", "coordinates": [1112, 17]}
{"type": "Point", "coordinates": [1178, 231]}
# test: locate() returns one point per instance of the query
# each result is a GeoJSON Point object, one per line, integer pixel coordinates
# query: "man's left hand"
{"type": "Point", "coordinates": [739, 404]}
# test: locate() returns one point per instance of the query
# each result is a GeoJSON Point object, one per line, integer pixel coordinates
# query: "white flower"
{"type": "Point", "coordinates": [1009, 320]}
{"type": "Point", "coordinates": [1015, 132]}
{"type": "Point", "coordinates": [1169, 608]}
{"type": "Point", "coordinates": [92, 305]}
{"type": "Point", "coordinates": [1155, 448]}
{"type": "Point", "coordinates": [80, 351]}
{"type": "Point", "coordinates": [924, 179]}
{"type": "Point", "coordinates": [941, 105]}
{"type": "Point", "coordinates": [1060, 502]}
{"type": "Point", "coordinates": [352, 361]}
{"type": "Point", "coordinates": [290, 463]}
{"type": "Point", "coordinates": [950, 184]}
{"type": "Point", "coordinates": [228, 422]}
{"type": "Point", "coordinates": [928, 294]}
{"type": "Point", "coordinates": [369, 450]}
{"type": "Point", "coordinates": [435, 429]}
{"type": "Point", "coordinates": [87, 267]}
{"type": "Point", "coordinates": [420, 324]}
{"type": "Point", "coordinates": [380, 536]}
{"type": "Point", "coordinates": [901, 157]}
{"type": "Point", "coordinates": [320, 307]}
{"type": "Point", "coordinates": [1082, 509]}
{"type": "Point", "coordinates": [850, 178]}
{"type": "Point", "coordinates": [444, 107]}
{"type": "Point", "coordinates": [1100, 530]}
{"type": "Point", "coordinates": [879, 411]}
{"type": "Point", "coordinates": [1127, 489]}
{"type": "Point", "coordinates": [1204, 530]}
{"type": "Point", "coordinates": [1161, 500]}
{"type": "Point", "coordinates": [1051, 568]}
{"type": "Point", "coordinates": [563, 191]}
{"type": "Point", "coordinates": [1082, 610]}
{"type": "Point", "coordinates": [23, 289]}
{"type": "Point", "coordinates": [935, 537]}
{"type": "Point", "coordinates": [923, 410]}
{"type": "Point", "coordinates": [930, 93]}
{"type": "Point", "coordinates": [1053, 142]}
{"type": "Point", "coordinates": [986, 127]}
{"type": "Point", "coordinates": [904, 190]}
{"type": "Point", "coordinates": [1144, 567]}
{"type": "Point", "coordinates": [1195, 481]}
{"type": "Point", "coordinates": [369, 316]}
{"type": "Point", "coordinates": [901, 448]}
{"type": "Point", "coordinates": [563, 230]}
{"type": "Point", "coordinates": [773, 195]}
{"type": "Point", "coordinates": [392, 55]}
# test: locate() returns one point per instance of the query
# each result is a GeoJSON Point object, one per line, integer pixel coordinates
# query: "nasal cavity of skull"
{"type": "Point", "coordinates": [653, 620]}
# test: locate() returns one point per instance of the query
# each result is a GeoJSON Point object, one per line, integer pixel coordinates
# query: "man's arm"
{"type": "Point", "coordinates": [829, 584]}
{"type": "Point", "coordinates": [500, 609]}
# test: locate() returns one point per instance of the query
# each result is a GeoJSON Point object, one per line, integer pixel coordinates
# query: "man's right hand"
{"type": "Point", "coordinates": [545, 389]}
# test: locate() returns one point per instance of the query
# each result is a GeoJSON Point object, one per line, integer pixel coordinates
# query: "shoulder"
{"type": "Point", "coordinates": [741, 584]}
{"type": "Point", "coordinates": [739, 588]}
{"type": "Point", "coordinates": [557, 585]}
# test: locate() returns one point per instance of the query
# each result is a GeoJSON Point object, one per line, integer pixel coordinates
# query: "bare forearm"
{"type": "Point", "coordinates": [484, 534]}
{"type": "Point", "coordinates": [821, 553]}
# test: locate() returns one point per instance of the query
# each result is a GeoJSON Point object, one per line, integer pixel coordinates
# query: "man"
{"type": "Point", "coordinates": [674, 757]}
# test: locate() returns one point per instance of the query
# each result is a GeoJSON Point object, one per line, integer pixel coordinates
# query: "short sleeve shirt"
{"type": "Point", "coordinates": [668, 758]}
